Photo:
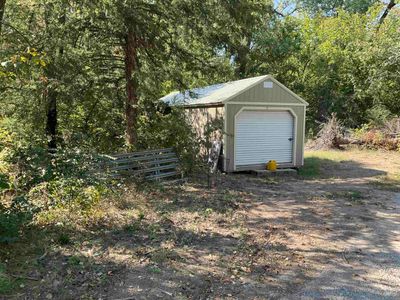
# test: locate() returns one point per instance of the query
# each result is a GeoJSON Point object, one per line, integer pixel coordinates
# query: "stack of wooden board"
{"type": "Point", "coordinates": [149, 165]}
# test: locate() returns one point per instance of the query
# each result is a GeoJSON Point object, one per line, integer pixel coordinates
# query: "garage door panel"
{"type": "Point", "coordinates": [261, 136]}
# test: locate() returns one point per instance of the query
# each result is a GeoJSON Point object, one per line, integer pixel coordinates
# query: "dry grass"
{"type": "Point", "coordinates": [203, 241]}
{"type": "Point", "coordinates": [154, 225]}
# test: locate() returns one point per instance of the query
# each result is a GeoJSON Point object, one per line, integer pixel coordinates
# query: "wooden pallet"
{"type": "Point", "coordinates": [149, 164]}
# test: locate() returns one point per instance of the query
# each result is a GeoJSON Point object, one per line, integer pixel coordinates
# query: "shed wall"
{"type": "Point", "coordinates": [233, 109]}
{"type": "Point", "coordinates": [206, 119]}
{"type": "Point", "coordinates": [258, 93]}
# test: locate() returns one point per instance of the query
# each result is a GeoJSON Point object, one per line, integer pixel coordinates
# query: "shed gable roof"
{"type": "Point", "coordinates": [218, 93]}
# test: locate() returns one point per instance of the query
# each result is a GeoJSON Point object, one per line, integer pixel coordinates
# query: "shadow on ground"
{"type": "Point", "coordinates": [248, 238]}
{"type": "Point", "coordinates": [315, 167]}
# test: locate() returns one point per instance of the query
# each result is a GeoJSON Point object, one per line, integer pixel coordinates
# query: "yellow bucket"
{"type": "Point", "coordinates": [272, 165]}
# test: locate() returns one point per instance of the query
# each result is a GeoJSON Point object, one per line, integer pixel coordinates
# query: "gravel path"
{"type": "Point", "coordinates": [372, 269]}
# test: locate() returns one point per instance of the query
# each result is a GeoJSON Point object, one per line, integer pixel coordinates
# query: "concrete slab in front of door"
{"type": "Point", "coordinates": [278, 172]}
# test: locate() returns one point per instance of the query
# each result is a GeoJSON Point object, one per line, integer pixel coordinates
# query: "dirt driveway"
{"type": "Point", "coordinates": [331, 233]}
{"type": "Point", "coordinates": [334, 237]}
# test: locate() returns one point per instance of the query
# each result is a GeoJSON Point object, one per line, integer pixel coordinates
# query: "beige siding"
{"type": "Point", "coordinates": [233, 109]}
{"type": "Point", "coordinates": [258, 93]}
{"type": "Point", "coordinates": [202, 118]}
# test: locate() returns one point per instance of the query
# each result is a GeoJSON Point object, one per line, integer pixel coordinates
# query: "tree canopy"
{"type": "Point", "coordinates": [90, 73]}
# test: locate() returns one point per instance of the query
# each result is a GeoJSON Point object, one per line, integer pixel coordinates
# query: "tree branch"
{"type": "Point", "coordinates": [279, 13]}
{"type": "Point", "coordinates": [2, 8]}
{"type": "Point", "coordinates": [390, 5]}
{"type": "Point", "coordinates": [17, 31]}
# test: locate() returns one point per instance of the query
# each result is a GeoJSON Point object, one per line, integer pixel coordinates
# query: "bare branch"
{"type": "Point", "coordinates": [388, 8]}
{"type": "Point", "coordinates": [279, 13]}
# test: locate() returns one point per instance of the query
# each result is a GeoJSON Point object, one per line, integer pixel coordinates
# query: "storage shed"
{"type": "Point", "coordinates": [260, 120]}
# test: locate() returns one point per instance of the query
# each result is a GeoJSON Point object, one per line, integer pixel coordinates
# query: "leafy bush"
{"type": "Point", "coordinates": [6, 284]}
{"type": "Point", "coordinates": [13, 217]}
{"type": "Point", "coordinates": [378, 115]}
{"type": "Point", "coordinates": [59, 178]}
{"type": "Point", "coordinates": [67, 192]}
{"type": "Point", "coordinates": [4, 183]}
{"type": "Point", "coordinates": [10, 225]}
{"type": "Point", "coordinates": [170, 129]}
{"type": "Point", "coordinates": [33, 179]}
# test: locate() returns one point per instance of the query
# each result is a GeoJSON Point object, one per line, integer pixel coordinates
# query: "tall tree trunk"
{"type": "Point", "coordinates": [241, 64]}
{"type": "Point", "coordinates": [131, 66]}
{"type": "Point", "coordinates": [2, 8]}
{"type": "Point", "coordinates": [52, 96]}
{"type": "Point", "coordinates": [390, 5]}
{"type": "Point", "coordinates": [51, 124]}
{"type": "Point", "coordinates": [242, 59]}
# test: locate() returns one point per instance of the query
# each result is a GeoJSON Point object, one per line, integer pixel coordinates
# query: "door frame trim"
{"type": "Point", "coordinates": [266, 108]}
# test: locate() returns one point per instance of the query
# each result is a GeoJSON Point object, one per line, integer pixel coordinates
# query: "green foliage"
{"type": "Point", "coordinates": [63, 239]}
{"type": "Point", "coordinates": [162, 129]}
{"type": "Point", "coordinates": [330, 7]}
{"type": "Point", "coordinates": [141, 216]}
{"type": "Point", "coordinates": [67, 170]}
{"type": "Point", "coordinates": [35, 179]}
{"type": "Point", "coordinates": [70, 193]}
{"type": "Point", "coordinates": [4, 184]}
{"type": "Point", "coordinates": [11, 222]}
{"type": "Point", "coordinates": [75, 260]}
{"type": "Point", "coordinates": [155, 269]}
{"type": "Point", "coordinates": [331, 53]}
{"type": "Point", "coordinates": [378, 115]}
{"type": "Point", "coordinates": [234, 30]}
{"type": "Point", "coordinates": [132, 227]}
{"type": "Point", "coordinates": [6, 284]}
{"type": "Point", "coordinates": [344, 65]}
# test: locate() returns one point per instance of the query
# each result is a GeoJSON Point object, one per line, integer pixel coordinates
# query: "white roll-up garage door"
{"type": "Point", "coordinates": [261, 136]}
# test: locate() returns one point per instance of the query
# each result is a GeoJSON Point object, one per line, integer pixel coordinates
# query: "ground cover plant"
{"type": "Point", "coordinates": [248, 237]}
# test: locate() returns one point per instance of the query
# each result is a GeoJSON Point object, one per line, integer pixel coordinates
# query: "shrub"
{"type": "Point", "coordinates": [63, 239]}
{"type": "Point", "coordinates": [378, 115]}
{"type": "Point", "coordinates": [13, 218]}
{"type": "Point", "coordinates": [32, 179]}
{"type": "Point", "coordinates": [67, 192]}
{"type": "Point", "coordinates": [4, 182]}
{"type": "Point", "coordinates": [385, 136]}
{"type": "Point", "coordinates": [158, 129]}
{"type": "Point", "coordinates": [9, 227]}
{"type": "Point", "coordinates": [6, 284]}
